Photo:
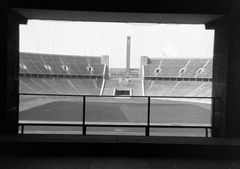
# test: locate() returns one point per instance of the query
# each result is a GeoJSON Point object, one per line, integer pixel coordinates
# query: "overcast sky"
{"type": "Point", "coordinates": [101, 38]}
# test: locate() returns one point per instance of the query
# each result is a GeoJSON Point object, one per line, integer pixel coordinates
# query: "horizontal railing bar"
{"type": "Point", "coordinates": [48, 124]}
{"type": "Point", "coordinates": [77, 95]}
{"type": "Point", "coordinates": [131, 126]}
{"type": "Point", "coordinates": [113, 125]}
{"type": "Point", "coordinates": [150, 126]}
{"type": "Point", "coordinates": [163, 126]}
{"type": "Point", "coordinates": [110, 124]}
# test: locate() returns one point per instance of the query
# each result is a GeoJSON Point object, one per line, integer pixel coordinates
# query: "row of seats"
{"type": "Point", "coordinates": [60, 86]}
{"type": "Point", "coordinates": [31, 63]}
{"type": "Point", "coordinates": [161, 88]}
{"type": "Point", "coordinates": [93, 87]}
{"type": "Point", "coordinates": [62, 65]}
{"type": "Point", "coordinates": [179, 68]}
{"type": "Point", "coordinates": [175, 88]}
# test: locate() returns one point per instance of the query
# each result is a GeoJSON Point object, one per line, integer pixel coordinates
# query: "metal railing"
{"type": "Point", "coordinates": [147, 125]}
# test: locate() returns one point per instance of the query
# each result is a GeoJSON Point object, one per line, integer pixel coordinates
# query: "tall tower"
{"type": "Point", "coordinates": [128, 54]}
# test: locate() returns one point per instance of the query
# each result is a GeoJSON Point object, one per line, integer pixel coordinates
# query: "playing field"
{"type": "Point", "coordinates": [114, 111]}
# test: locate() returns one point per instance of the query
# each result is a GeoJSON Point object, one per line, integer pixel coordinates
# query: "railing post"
{"type": "Point", "coordinates": [213, 115]}
{"type": "Point", "coordinates": [206, 129]}
{"type": "Point", "coordinates": [22, 129]}
{"type": "Point", "coordinates": [83, 119]}
{"type": "Point", "coordinates": [148, 118]}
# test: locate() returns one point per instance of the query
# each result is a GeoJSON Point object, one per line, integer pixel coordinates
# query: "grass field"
{"type": "Point", "coordinates": [115, 110]}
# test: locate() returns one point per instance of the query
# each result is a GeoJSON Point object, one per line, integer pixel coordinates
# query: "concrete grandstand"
{"type": "Point", "coordinates": [88, 75]}
{"type": "Point", "coordinates": [59, 74]}
{"type": "Point", "coordinates": [177, 77]}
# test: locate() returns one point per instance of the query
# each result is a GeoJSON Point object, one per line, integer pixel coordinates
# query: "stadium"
{"type": "Point", "coordinates": [64, 94]}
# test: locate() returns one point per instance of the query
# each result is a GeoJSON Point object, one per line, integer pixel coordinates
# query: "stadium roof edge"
{"type": "Point", "coordinates": [59, 54]}
{"type": "Point", "coordinates": [180, 58]}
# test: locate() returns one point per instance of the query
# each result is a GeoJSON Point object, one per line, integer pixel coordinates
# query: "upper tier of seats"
{"type": "Point", "coordinates": [32, 63]}
{"type": "Point", "coordinates": [189, 68]}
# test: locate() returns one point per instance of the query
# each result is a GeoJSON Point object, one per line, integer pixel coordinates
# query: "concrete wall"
{"type": "Point", "coordinates": [219, 79]}
{"type": "Point", "coordinates": [9, 71]}
{"type": "Point", "coordinates": [226, 75]}
{"type": "Point", "coordinates": [233, 79]}
{"type": "Point", "coordinates": [9, 59]}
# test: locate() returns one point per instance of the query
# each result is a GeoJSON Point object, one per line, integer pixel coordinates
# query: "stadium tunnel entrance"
{"type": "Point", "coordinates": [123, 92]}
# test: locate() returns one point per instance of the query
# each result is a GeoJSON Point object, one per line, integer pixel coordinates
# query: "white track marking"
{"type": "Point", "coordinates": [203, 67]}
{"type": "Point", "coordinates": [51, 86]}
{"type": "Point", "coordinates": [150, 86]}
{"type": "Point", "coordinates": [195, 89]}
{"type": "Point", "coordinates": [103, 86]}
{"type": "Point", "coordinates": [39, 85]}
{"type": "Point", "coordinates": [159, 66]}
{"type": "Point", "coordinates": [73, 86]}
{"type": "Point", "coordinates": [143, 88]}
{"type": "Point", "coordinates": [185, 67]}
{"type": "Point", "coordinates": [172, 88]}
{"type": "Point", "coordinates": [95, 83]}
{"type": "Point", "coordinates": [33, 63]}
{"type": "Point", "coordinates": [55, 64]}
{"type": "Point", "coordinates": [28, 86]}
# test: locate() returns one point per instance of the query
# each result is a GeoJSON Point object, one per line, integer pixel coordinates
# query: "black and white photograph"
{"type": "Point", "coordinates": [120, 84]}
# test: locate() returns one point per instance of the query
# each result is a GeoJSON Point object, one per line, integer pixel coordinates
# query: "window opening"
{"type": "Point", "coordinates": [183, 70]}
{"type": "Point", "coordinates": [90, 69]}
{"type": "Point", "coordinates": [157, 70]}
{"type": "Point", "coordinates": [23, 66]}
{"type": "Point", "coordinates": [65, 68]}
{"type": "Point", "coordinates": [199, 71]}
{"type": "Point", "coordinates": [47, 67]}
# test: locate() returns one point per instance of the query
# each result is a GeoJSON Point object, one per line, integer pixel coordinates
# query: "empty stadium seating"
{"type": "Point", "coordinates": [193, 66]}
{"type": "Point", "coordinates": [203, 90]}
{"type": "Point", "coordinates": [108, 91]}
{"type": "Point", "coordinates": [63, 66]}
{"type": "Point", "coordinates": [178, 68]}
{"type": "Point", "coordinates": [183, 88]}
{"type": "Point", "coordinates": [174, 88]}
{"type": "Point", "coordinates": [60, 64]}
{"type": "Point", "coordinates": [60, 86]}
{"type": "Point", "coordinates": [207, 70]}
{"type": "Point", "coordinates": [30, 66]}
{"type": "Point", "coordinates": [193, 70]}
{"type": "Point", "coordinates": [88, 86]}
{"type": "Point", "coordinates": [41, 65]}
{"type": "Point", "coordinates": [158, 88]}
